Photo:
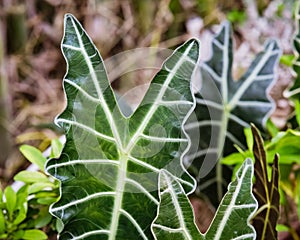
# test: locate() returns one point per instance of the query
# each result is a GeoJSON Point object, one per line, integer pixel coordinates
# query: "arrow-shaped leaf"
{"type": "Point", "coordinates": [109, 166]}
{"type": "Point", "coordinates": [265, 191]}
{"type": "Point", "coordinates": [225, 107]}
{"type": "Point", "coordinates": [175, 218]}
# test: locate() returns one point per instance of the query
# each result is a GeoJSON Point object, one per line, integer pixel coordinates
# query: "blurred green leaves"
{"type": "Point", "coordinates": [24, 212]}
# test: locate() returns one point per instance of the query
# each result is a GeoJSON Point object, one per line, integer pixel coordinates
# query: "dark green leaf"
{"type": "Point", "coordinates": [175, 218]}
{"type": "Point", "coordinates": [110, 163]}
{"type": "Point", "coordinates": [236, 208]}
{"type": "Point", "coordinates": [265, 191]}
{"type": "Point", "coordinates": [43, 218]}
{"type": "Point", "coordinates": [225, 107]}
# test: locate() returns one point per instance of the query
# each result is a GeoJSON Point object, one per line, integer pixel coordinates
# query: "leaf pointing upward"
{"type": "Point", "coordinates": [265, 191]}
{"type": "Point", "coordinates": [225, 107]}
{"type": "Point", "coordinates": [230, 222]}
{"type": "Point", "coordinates": [109, 166]}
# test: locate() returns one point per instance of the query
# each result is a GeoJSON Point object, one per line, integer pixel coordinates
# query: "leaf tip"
{"type": "Point", "coordinates": [273, 45]}
{"type": "Point", "coordinates": [69, 16]}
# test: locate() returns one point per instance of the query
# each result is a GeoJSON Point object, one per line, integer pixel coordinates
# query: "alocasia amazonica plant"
{"type": "Point", "coordinates": [109, 166]}
{"type": "Point", "coordinates": [123, 177]}
{"type": "Point", "coordinates": [225, 107]}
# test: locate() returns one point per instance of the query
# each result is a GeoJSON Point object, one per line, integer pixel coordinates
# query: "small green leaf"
{"type": "Point", "coordinates": [287, 59]}
{"type": "Point", "coordinates": [47, 200]}
{"type": "Point", "coordinates": [30, 177]}
{"type": "Point", "coordinates": [287, 145]}
{"type": "Point", "coordinates": [282, 228]}
{"type": "Point", "coordinates": [45, 194]}
{"type": "Point", "coordinates": [34, 234]}
{"type": "Point", "coordinates": [22, 196]}
{"type": "Point", "coordinates": [21, 205]}
{"type": "Point", "coordinates": [38, 186]}
{"type": "Point", "coordinates": [3, 236]}
{"type": "Point", "coordinates": [2, 222]}
{"type": "Point", "coordinates": [236, 16]}
{"type": "Point", "coordinates": [59, 226]}
{"type": "Point", "coordinates": [56, 148]}
{"type": "Point", "coordinates": [43, 218]}
{"type": "Point", "coordinates": [272, 128]}
{"type": "Point", "coordinates": [34, 155]}
{"type": "Point", "coordinates": [249, 137]}
{"type": "Point", "coordinates": [297, 111]}
{"type": "Point", "coordinates": [21, 216]}
{"type": "Point", "coordinates": [265, 191]}
{"type": "Point", "coordinates": [236, 158]}
{"type": "Point", "coordinates": [11, 199]}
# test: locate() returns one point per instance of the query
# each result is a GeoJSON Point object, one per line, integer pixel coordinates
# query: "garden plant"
{"type": "Point", "coordinates": [123, 177]}
{"type": "Point", "coordinates": [130, 176]}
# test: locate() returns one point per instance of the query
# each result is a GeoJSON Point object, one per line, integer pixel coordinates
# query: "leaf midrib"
{"type": "Point", "coordinates": [178, 210]}
{"type": "Point", "coordinates": [121, 181]}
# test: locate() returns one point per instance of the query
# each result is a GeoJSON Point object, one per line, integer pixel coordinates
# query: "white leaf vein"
{"type": "Point", "coordinates": [82, 200]}
{"type": "Point", "coordinates": [90, 233]}
{"type": "Point", "coordinates": [209, 70]}
{"type": "Point", "coordinates": [229, 208]}
{"type": "Point", "coordinates": [163, 139]}
{"type": "Point", "coordinates": [91, 130]}
{"type": "Point", "coordinates": [143, 190]}
{"type": "Point", "coordinates": [93, 99]}
{"type": "Point", "coordinates": [134, 222]}
{"type": "Point", "coordinates": [84, 162]}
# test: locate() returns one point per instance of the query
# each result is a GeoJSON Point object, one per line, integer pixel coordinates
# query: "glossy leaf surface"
{"type": "Point", "coordinates": [109, 166]}
{"type": "Point", "coordinates": [230, 222]}
{"type": "Point", "coordinates": [225, 107]}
